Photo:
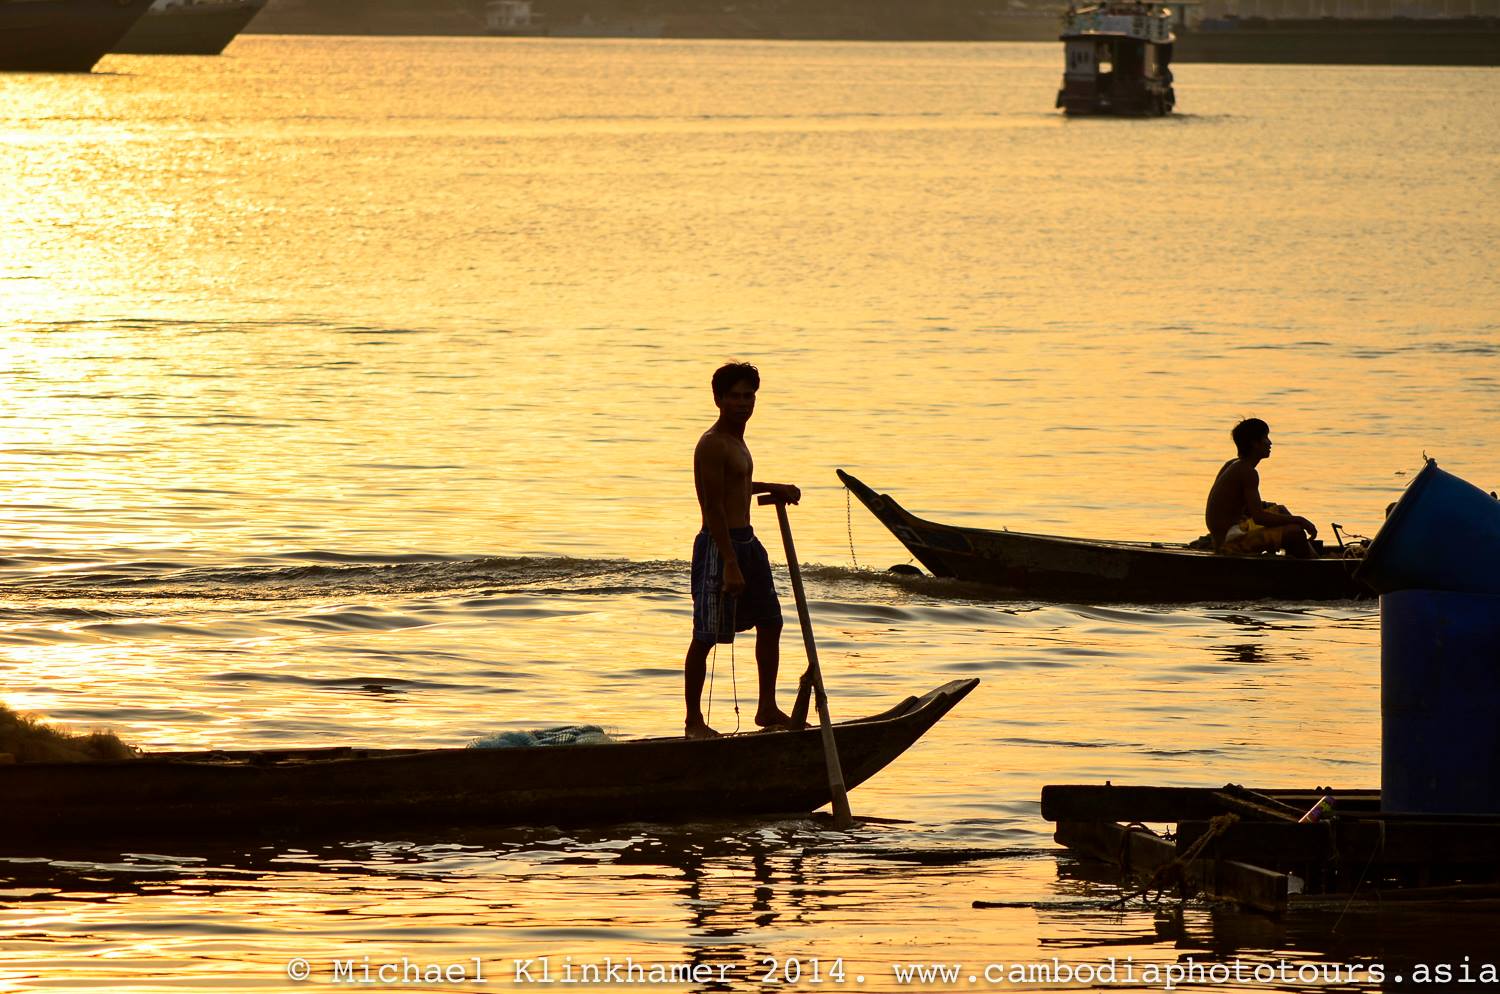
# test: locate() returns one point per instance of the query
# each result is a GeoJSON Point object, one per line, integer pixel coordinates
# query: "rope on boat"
{"type": "Point", "coordinates": [1175, 872]}
{"type": "Point", "coordinates": [734, 682]}
{"type": "Point", "coordinates": [1378, 848]}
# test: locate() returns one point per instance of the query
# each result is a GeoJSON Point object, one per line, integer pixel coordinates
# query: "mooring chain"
{"type": "Point", "coordinates": [849, 525]}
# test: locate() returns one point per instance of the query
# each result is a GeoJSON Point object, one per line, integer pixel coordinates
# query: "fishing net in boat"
{"type": "Point", "coordinates": [561, 735]}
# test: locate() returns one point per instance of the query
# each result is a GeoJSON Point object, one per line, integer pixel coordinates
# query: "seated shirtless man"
{"type": "Point", "coordinates": [732, 587]}
{"type": "Point", "coordinates": [1239, 521]}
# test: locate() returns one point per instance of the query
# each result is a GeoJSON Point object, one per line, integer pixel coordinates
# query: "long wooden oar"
{"type": "Point", "coordinates": [842, 818]}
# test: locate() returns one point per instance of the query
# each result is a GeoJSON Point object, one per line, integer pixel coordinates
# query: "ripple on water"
{"type": "Point", "coordinates": [370, 682]}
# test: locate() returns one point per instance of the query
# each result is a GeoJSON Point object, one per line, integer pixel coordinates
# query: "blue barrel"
{"type": "Point", "coordinates": [1440, 702]}
{"type": "Point", "coordinates": [1444, 534]}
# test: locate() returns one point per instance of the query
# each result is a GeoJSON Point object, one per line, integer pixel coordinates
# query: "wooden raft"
{"type": "Point", "coordinates": [1248, 846]}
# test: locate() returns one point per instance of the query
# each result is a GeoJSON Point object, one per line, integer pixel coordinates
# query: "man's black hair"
{"type": "Point", "coordinates": [1248, 432]}
{"type": "Point", "coordinates": [731, 373]}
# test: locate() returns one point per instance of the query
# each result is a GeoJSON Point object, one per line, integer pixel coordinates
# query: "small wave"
{"type": "Point", "coordinates": [330, 573]}
{"type": "Point", "coordinates": [365, 559]}
{"type": "Point", "coordinates": [319, 573]}
{"type": "Point", "coordinates": [1067, 744]}
{"type": "Point", "coordinates": [46, 613]}
{"type": "Point", "coordinates": [352, 620]}
{"type": "Point", "coordinates": [1182, 752]}
{"type": "Point", "coordinates": [369, 684]}
{"type": "Point", "coordinates": [45, 588]}
{"type": "Point", "coordinates": [141, 630]}
{"type": "Point", "coordinates": [45, 636]}
{"type": "Point", "coordinates": [936, 587]}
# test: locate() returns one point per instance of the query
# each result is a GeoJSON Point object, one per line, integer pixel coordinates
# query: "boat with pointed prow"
{"type": "Point", "coordinates": [219, 794]}
{"type": "Point", "coordinates": [1056, 567]}
{"type": "Point", "coordinates": [1118, 59]}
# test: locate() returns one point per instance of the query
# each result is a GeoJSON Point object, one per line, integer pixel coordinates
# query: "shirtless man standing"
{"type": "Point", "coordinates": [1238, 519]}
{"type": "Point", "coordinates": [732, 587]}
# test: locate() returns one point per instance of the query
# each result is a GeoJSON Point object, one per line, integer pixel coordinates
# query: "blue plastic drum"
{"type": "Point", "coordinates": [1440, 702]}
{"type": "Point", "coordinates": [1444, 534]}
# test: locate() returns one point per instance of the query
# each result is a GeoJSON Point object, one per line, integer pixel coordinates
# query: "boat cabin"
{"type": "Point", "coordinates": [1118, 59]}
{"type": "Point", "coordinates": [510, 17]}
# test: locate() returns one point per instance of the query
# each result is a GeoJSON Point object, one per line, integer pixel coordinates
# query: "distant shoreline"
{"type": "Point", "coordinates": [1431, 42]}
{"type": "Point", "coordinates": [731, 26]}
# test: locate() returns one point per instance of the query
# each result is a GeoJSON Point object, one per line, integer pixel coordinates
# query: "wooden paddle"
{"type": "Point", "coordinates": [813, 678]}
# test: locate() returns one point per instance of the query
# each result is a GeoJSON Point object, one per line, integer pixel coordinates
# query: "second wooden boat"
{"type": "Point", "coordinates": [1057, 568]}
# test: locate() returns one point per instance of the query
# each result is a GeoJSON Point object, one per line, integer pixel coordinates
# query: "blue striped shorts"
{"type": "Point", "coordinates": [715, 617]}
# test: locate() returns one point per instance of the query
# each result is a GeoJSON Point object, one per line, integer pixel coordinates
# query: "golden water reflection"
{"type": "Point", "coordinates": [350, 386]}
{"type": "Point", "coordinates": [741, 905]}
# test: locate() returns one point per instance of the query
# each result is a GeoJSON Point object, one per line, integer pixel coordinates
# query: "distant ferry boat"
{"type": "Point", "coordinates": [511, 18]}
{"type": "Point", "coordinates": [188, 27]}
{"type": "Point", "coordinates": [62, 35]}
{"type": "Point", "coordinates": [1118, 59]}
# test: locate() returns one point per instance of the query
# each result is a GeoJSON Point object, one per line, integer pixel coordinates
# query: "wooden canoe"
{"type": "Point", "coordinates": [1056, 568]}
{"type": "Point", "coordinates": [195, 794]}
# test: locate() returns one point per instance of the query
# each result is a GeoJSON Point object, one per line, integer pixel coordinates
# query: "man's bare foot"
{"type": "Point", "coordinates": [698, 730]}
{"type": "Point", "coordinates": [773, 718]}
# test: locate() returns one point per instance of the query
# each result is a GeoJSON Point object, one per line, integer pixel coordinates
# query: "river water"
{"type": "Point", "coordinates": [350, 390]}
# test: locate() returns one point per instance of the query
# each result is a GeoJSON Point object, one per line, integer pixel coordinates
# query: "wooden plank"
{"type": "Point", "coordinates": [1466, 897]}
{"type": "Point", "coordinates": [1380, 902]}
{"type": "Point", "coordinates": [1313, 793]}
{"type": "Point", "coordinates": [1281, 845]}
{"type": "Point", "coordinates": [1258, 806]}
{"type": "Point", "coordinates": [1133, 850]}
{"type": "Point", "coordinates": [1093, 802]}
{"type": "Point", "coordinates": [1443, 843]}
{"type": "Point", "coordinates": [1252, 886]}
{"type": "Point", "coordinates": [1355, 842]}
{"type": "Point", "coordinates": [1348, 802]}
{"type": "Point", "coordinates": [1447, 818]}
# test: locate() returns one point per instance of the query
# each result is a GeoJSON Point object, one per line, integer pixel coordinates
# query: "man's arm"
{"type": "Point", "coordinates": [1262, 515]}
{"type": "Point", "coordinates": [785, 491]}
{"type": "Point", "coordinates": [709, 461]}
